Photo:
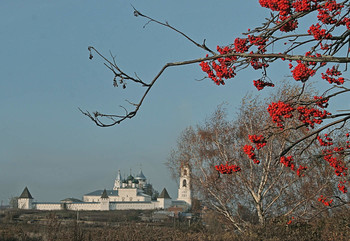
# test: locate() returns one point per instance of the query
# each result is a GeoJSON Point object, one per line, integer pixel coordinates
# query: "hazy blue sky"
{"type": "Point", "coordinates": [45, 75]}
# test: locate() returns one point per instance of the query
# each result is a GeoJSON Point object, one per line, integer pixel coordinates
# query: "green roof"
{"type": "Point", "coordinates": [164, 194]}
{"type": "Point", "coordinates": [26, 194]}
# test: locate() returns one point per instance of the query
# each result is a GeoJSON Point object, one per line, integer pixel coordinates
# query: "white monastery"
{"type": "Point", "coordinates": [126, 194]}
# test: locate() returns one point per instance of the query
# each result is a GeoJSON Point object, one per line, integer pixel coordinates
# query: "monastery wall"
{"type": "Point", "coordinates": [47, 206]}
{"type": "Point", "coordinates": [133, 206]}
{"type": "Point", "coordinates": [83, 206]}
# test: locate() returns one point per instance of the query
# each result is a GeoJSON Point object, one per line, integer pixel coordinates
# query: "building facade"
{"type": "Point", "coordinates": [127, 194]}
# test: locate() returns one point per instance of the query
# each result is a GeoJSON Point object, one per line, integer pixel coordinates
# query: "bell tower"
{"type": "Point", "coordinates": [118, 182]}
{"type": "Point", "coordinates": [184, 193]}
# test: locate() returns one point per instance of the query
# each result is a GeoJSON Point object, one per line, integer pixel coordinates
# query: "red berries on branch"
{"type": "Point", "coordinates": [288, 162]}
{"type": "Point", "coordinates": [260, 84]}
{"type": "Point", "coordinates": [311, 116]}
{"type": "Point", "coordinates": [259, 141]}
{"type": "Point", "coordinates": [300, 169]}
{"type": "Point", "coordinates": [325, 143]}
{"type": "Point", "coordinates": [249, 150]}
{"type": "Point", "coordinates": [227, 169]}
{"type": "Point", "coordinates": [302, 72]}
{"type": "Point", "coordinates": [329, 76]}
{"type": "Point", "coordinates": [342, 187]}
{"type": "Point", "coordinates": [241, 45]}
{"type": "Point", "coordinates": [323, 199]}
{"type": "Point", "coordinates": [319, 33]}
{"type": "Point", "coordinates": [280, 111]}
{"type": "Point", "coordinates": [322, 102]}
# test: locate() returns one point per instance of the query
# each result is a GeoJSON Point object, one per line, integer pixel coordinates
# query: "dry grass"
{"type": "Point", "coordinates": [41, 226]}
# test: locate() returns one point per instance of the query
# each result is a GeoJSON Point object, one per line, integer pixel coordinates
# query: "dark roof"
{"type": "Point", "coordinates": [26, 194]}
{"type": "Point", "coordinates": [104, 194]}
{"type": "Point", "coordinates": [99, 193]}
{"type": "Point", "coordinates": [164, 194]}
{"type": "Point", "coordinates": [130, 178]}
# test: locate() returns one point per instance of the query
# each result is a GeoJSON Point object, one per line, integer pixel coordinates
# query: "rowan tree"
{"type": "Point", "coordinates": [312, 38]}
{"type": "Point", "coordinates": [251, 182]}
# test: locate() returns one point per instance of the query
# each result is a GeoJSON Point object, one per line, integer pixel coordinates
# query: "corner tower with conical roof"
{"type": "Point", "coordinates": [164, 199]}
{"type": "Point", "coordinates": [104, 201]}
{"type": "Point", "coordinates": [25, 201]}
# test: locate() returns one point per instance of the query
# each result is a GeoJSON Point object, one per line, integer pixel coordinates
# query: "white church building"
{"type": "Point", "coordinates": [127, 194]}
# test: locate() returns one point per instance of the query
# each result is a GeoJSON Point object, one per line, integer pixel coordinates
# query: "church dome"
{"type": "Point", "coordinates": [130, 178]}
{"type": "Point", "coordinates": [135, 181]}
{"type": "Point", "coordinates": [140, 176]}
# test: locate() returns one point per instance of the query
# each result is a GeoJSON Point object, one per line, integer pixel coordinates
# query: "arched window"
{"type": "Point", "coordinates": [185, 172]}
{"type": "Point", "coordinates": [184, 183]}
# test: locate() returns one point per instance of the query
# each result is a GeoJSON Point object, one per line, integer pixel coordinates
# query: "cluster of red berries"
{"type": "Point", "coordinates": [290, 24]}
{"type": "Point", "coordinates": [300, 169]}
{"type": "Point", "coordinates": [302, 72]}
{"type": "Point", "coordinates": [257, 64]}
{"type": "Point", "coordinates": [329, 76]}
{"type": "Point", "coordinates": [288, 162]}
{"type": "Point", "coordinates": [321, 101]}
{"type": "Point", "coordinates": [342, 187]}
{"type": "Point", "coordinates": [319, 33]}
{"type": "Point", "coordinates": [323, 199]}
{"type": "Point", "coordinates": [325, 143]}
{"type": "Point", "coordinates": [338, 165]}
{"type": "Point", "coordinates": [227, 169]}
{"type": "Point", "coordinates": [311, 116]}
{"type": "Point", "coordinates": [283, 6]}
{"type": "Point", "coordinates": [278, 111]}
{"type": "Point", "coordinates": [334, 158]}
{"type": "Point", "coordinates": [249, 150]}
{"type": "Point", "coordinates": [260, 84]}
{"type": "Point", "coordinates": [223, 70]}
{"type": "Point", "coordinates": [302, 5]}
{"type": "Point", "coordinates": [328, 12]}
{"type": "Point", "coordinates": [258, 41]}
{"type": "Point", "coordinates": [241, 45]}
{"type": "Point", "coordinates": [308, 54]}
{"type": "Point", "coordinates": [259, 141]}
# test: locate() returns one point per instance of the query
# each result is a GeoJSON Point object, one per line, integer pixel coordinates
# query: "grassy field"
{"type": "Point", "coordinates": [128, 225]}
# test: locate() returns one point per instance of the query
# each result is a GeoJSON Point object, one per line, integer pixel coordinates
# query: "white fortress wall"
{"type": "Point", "coordinates": [47, 206]}
{"type": "Point", "coordinates": [83, 206]}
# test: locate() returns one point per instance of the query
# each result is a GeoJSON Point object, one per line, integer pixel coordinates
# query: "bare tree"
{"type": "Point", "coordinates": [258, 184]}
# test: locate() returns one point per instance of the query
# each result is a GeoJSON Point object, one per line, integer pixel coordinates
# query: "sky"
{"type": "Point", "coordinates": [47, 145]}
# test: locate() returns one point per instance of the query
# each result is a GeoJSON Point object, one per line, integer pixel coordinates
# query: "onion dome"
{"type": "Point", "coordinates": [135, 181]}
{"type": "Point", "coordinates": [130, 178]}
{"type": "Point", "coordinates": [140, 176]}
